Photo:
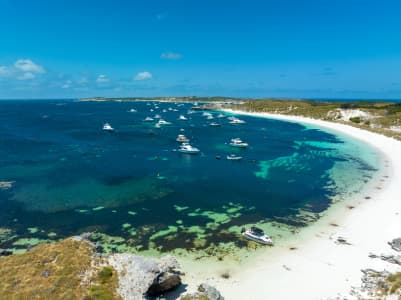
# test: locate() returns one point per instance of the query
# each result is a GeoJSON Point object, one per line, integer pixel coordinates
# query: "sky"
{"type": "Point", "coordinates": [301, 48]}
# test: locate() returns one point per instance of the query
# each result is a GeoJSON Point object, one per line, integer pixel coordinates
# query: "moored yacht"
{"type": "Point", "coordinates": [148, 119]}
{"type": "Point", "coordinates": [182, 118]}
{"type": "Point", "coordinates": [257, 235]}
{"type": "Point", "coordinates": [187, 148]}
{"type": "Point", "coordinates": [235, 121]}
{"type": "Point", "coordinates": [163, 122]}
{"type": "Point", "coordinates": [234, 157]}
{"type": "Point", "coordinates": [237, 142]}
{"type": "Point", "coordinates": [214, 124]}
{"type": "Point", "coordinates": [107, 127]}
{"type": "Point", "coordinates": [182, 138]}
{"type": "Point", "coordinates": [132, 110]}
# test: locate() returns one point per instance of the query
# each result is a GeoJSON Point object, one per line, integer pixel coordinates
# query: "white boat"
{"type": "Point", "coordinates": [237, 142]}
{"type": "Point", "coordinates": [157, 117]}
{"type": "Point", "coordinates": [206, 114]}
{"type": "Point", "coordinates": [234, 157]}
{"type": "Point", "coordinates": [235, 121]}
{"type": "Point", "coordinates": [187, 148]}
{"type": "Point", "coordinates": [163, 122]}
{"type": "Point", "coordinates": [107, 127]}
{"type": "Point", "coordinates": [183, 118]}
{"type": "Point", "coordinates": [132, 110]}
{"type": "Point", "coordinates": [214, 124]}
{"type": "Point", "coordinates": [220, 116]}
{"type": "Point", "coordinates": [182, 138]}
{"type": "Point", "coordinates": [257, 235]}
{"type": "Point", "coordinates": [148, 119]}
{"type": "Point", "coordinates": [209, 117]}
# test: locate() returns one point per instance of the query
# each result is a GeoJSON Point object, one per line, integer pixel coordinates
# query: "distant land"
{"type": "Point", "coordinates": [380, 116]}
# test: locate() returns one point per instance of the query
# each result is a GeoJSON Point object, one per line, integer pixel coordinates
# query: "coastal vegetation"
{"type": "Point", "coordinates": [379, 116]}
{"type": "Point", "coordinates": [68, 269]}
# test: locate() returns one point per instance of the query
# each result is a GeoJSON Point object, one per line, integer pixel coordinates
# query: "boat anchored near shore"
{"type": "Point", "coordinates": [188, 149]}
{"type": "Point", "coordinates": [107, 127]}
{"type": "Point", "coordinates": [257, 235]}
{"type": "Point", "coordinates": [182, 138]}
{"type": "Point", "coordinates": [237, 142]}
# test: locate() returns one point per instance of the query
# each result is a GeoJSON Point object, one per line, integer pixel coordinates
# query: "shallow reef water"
{"type": "Point", "coordinates": [62, 175]}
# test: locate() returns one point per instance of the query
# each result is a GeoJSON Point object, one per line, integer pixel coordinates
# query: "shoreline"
{"type": "Point", "coordinates": [368, 226]}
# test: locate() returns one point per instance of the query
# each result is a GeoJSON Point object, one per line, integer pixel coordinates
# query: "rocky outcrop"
{"type": "Point", "coordinates": [395, 244]}
{"type": "Point", "coordinates": [5, 252]}
{"type": "Point", "coordinates": [205, 292]}
{"type": "Point", "coordinates": [140, 277]}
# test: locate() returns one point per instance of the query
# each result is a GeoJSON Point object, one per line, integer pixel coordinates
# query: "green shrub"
{"type": "Point", "coordinates": [355, 119]}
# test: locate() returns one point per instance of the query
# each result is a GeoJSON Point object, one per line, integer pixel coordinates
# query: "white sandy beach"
{"type": "Point", "coordinates": [320, 268]}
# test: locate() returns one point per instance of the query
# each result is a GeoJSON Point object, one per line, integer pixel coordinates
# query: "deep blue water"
{"type": "Point", "coordinates": [69, 176]}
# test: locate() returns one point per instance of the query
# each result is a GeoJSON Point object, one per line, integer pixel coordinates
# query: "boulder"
{"type": "Point", "coordinates": [140, 277]}
{"type": "Point", "coordinates": [396, 244]}
{"type": "Point", "coordinates": [205, 292]}
{"type": "Point", "coordinates": [5, 252]}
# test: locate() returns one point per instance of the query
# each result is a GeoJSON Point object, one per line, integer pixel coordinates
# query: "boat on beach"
{"type": "Point", "coordinates": [188, 149]}
{"type": "Point", "coordinates": [237, 142]}
{"type": "Point", "coordinates": [107, 127]}
{"type": "Point", "coordinates": [257, 235]}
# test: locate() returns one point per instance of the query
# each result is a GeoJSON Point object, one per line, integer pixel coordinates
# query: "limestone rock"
{"type": "Point", "coordinates": [205, 292]}
{"type": "Point", "coordinates": [396, 244]}
{"type": "Point", "coordinates": [140, 277]}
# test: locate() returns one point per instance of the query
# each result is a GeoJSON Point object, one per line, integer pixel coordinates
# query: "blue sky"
{"type": "Point", "coordinates": [306, 49]}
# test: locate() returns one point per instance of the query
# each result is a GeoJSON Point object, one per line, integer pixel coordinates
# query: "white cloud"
{"type": "Point", "coordinates": [102, 79]}
{"type": "Point", "coordinates": [170, 55]}
{"type": "Point", "coordinates": [67, 84]}
{"type": "Point", "coordinates": [143, 76]}
{"type": "Point", "coordinates": [83, 80]}
{"type": "Point", "coordinates": [27, 65]}
{"type": "Point", "coordinates": [3, 70]}
{"type": "Point", "coordinates": [26, 76]}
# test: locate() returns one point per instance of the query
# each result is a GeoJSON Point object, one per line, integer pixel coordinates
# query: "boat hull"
{"type": "Point", "coordinates": [257, 240]}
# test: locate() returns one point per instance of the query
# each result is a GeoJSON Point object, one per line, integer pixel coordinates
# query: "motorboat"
{"type": "Point", "coordinates": [207, 114]}
{"type": "Point", "coordinates": [187, 148]}
{"type": "Point", "coordinates": [148, 119]}
{"type": "Point", "coordinates": [234, 157]}
{"type": "Point", "coordinates": [163, 122]}
{"type": "Point", "coordinates": [237, 142]}
{"type": "Point", "coordinates": [157, 117]}
{"type": "Point", "coordinates": [214, 124]}
{"type": "Point", "coordinates": [220, 116]}
{"type": "Point", "coordinates": [107, 127]}
{"type": "Point", "coordinates": [182, 138]}
{"type": "Point", "coordinates": [182, 118]}
{"type": "Point", "coordinates": [132, 110]}
{"type": "Point", "coordinates": [257, 235]}
{"type": "Point", "coordinates": [235, 121]}
{"type": "Point", "coordinates": [210, 117]}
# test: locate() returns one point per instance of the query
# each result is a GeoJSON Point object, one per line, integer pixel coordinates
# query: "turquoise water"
{"type": "Point", "coordinates": [63, 175]}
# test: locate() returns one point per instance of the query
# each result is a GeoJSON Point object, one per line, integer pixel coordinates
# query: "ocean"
{"type": "Point", "coordinates": [62, 175]}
